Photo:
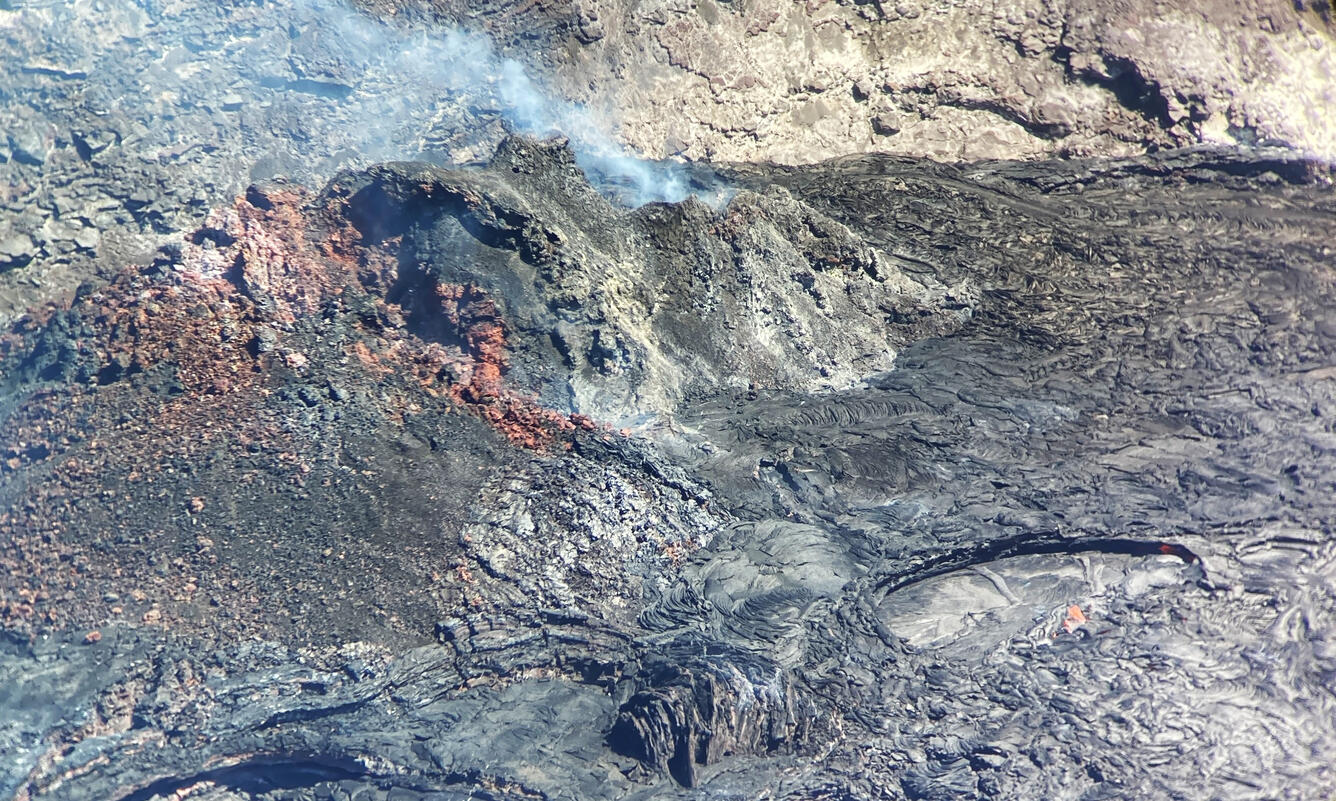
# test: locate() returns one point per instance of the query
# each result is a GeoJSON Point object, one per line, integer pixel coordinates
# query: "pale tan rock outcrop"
{"type": "Point", "coordinates": [799, 82]}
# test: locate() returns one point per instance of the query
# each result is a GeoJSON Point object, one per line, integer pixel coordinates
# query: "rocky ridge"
{"type": "Point", "coordinates": [972, 79]}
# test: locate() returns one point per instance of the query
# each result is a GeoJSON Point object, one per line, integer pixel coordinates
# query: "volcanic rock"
{"type": "Point", "coordinates": [354, 447]}
{"type": "Point", "coordinates": [1111, 390]}
{"type": "Point", "coordinates": [618, 314]}
{"type": "Point", "coordinates": [16, 250]}
{"type": "Point", "coordinates": [802, 82]}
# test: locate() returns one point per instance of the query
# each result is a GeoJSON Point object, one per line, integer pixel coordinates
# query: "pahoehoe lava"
{"type": "Point", "coordinates": [888, 479]}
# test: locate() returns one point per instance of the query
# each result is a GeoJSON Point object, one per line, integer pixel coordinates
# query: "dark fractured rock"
{"type": "Point", "coordinates": [1075, 543]}
{"type": "Point", "coordinates": [620, 313]}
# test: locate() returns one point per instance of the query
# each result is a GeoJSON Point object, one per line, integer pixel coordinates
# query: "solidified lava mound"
{"type": "Point", "coordinates": [887, 479]}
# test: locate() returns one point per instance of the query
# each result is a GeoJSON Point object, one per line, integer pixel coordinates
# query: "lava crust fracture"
{"type": "Point", "coordinates": [888, 479]}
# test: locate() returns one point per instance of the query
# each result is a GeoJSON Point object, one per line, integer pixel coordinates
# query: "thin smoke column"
{"type": "Point", "coordinates": [333, 88]}
{"type": "Point", "coordinates": [467, 68]}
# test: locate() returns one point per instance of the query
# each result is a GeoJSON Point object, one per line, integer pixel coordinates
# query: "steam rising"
{"type": "Point", "coordinates": [294, 88]}
{"type": "Point", "coordinates": [467, 68]}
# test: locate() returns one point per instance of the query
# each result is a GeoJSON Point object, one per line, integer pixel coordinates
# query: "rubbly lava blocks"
{"type": "Point", "coordinates": [275, 297]}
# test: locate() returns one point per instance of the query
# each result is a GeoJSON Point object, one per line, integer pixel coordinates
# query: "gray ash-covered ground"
{"type": "Point", "coordinates": [422, 503]}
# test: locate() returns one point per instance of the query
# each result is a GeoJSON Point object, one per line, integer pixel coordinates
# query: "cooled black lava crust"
{"type": "Point", "coordinates": [1071, 538]}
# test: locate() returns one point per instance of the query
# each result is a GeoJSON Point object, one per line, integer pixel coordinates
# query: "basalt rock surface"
{"type": "Point", "coordinates": [124, 122]}
{"type": "Point", "coordinates": [770, 80]}
{"type": "Point", "coordinates": [617, 314]}
{"type": "Point", "coordinates": [886, 479]}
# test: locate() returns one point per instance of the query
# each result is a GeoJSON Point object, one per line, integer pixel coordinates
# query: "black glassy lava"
{"type": "Point", "coordinates": [1002, 480]}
